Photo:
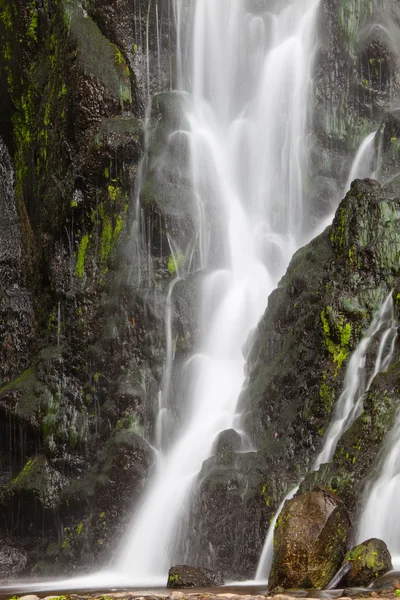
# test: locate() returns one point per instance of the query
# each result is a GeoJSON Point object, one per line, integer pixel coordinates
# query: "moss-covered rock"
{"type": "Point", "coordinates": [369, 560]}
{"type": "Point", "coordinates": [309, 540]}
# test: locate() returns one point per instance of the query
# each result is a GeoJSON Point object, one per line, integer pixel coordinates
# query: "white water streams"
{"type": "Point", "coordinates": [382, 333]}
{"type": "Point", "coordinates": [380, 514]}
{"type": "Point", "coordinates": [363, 164]}
{"type": "Point", "coordinates": [249, 81]}
{"type": "Point", "coordinates": [380, 517]}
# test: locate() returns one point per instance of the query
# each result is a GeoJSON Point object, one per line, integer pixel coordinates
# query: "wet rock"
{"type": "Point", "coordinates": [167, 197]}
{"type": "Point", "coordinates": [310, 540]}
{"type": "Point", "coordinates": [17, 326]}
{"type": "Point", "coordinates": [185, 576]}
{"type": "Point", "coordinates": [228, 441]}
{"type": "Point", "coordinates": [369, 560]}
{"type": "Point", "coordinates": [12, 561]}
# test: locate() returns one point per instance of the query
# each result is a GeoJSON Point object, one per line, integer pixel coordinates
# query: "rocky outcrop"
{"type": "Point", "coordinates": [80, 367]}
{"type": "Point", "coordinates": [368, 560]}
{"type": "Point", "coordinates": [296, 367]}
{"type": "Point", "coordinates": [309, 540]}
{"type": "Point", "coordinates": [185, 576]}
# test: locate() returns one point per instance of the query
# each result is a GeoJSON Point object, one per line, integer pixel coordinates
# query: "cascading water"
{"type": "Point", "coordinates": [380, 513]}
{"type": "Point", "coordinates": [382, 332]}
{"type": "Point", "coordinates": [248, 83]}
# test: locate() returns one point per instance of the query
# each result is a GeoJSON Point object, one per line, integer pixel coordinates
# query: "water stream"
{"type": "Point", "coordinates": [380, 513]}
{"type": "Point", "coordinates": [364, 164]}
{"type": "Point", "coordinates": [379, 339]}
{"type": "Point", "coordinates": [247, 75]}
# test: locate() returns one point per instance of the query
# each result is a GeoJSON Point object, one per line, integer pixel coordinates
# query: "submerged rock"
{"type": "Point", "coordinates": [369, 560]}
{"type": "Point", "coordinates": [185, 576]}
{"type": "Point", "coordinates": [310, 539]}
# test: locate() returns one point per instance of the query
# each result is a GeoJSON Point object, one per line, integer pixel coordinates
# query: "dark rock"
{"type": "Point", "coordinates": [369, 560]}
{"type": "Point", "coordinates": [310, 540]}
{"type": "Point", "coordinates": [228, 441]}
{"type": "Point", "coordinates": [12, 561]}
{"type": "Point", "coordinates": [17, 326]}
{"type": "Point", "coordinates": [185, 576]}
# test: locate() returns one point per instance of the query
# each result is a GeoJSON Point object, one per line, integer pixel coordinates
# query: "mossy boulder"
{"type": "Point", "coordinates": [185, 576]}
{"type": "Point", "coordinates": [309, 540]}
{"type": "Point", "coordinates": [369, 560]}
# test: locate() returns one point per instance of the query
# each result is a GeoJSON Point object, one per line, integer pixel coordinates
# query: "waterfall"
{"type": "Point", "coordinates": [247, 82]}
{"type": "Point", "coordinates": [381, 335]}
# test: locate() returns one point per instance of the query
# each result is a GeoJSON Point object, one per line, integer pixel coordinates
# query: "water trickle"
{"type": "Point", "coordinates": [248, 83]}
{"type": "Point", "coordinates": [379, 517]}
{"type": "Point", "coordinates": [382, 332]}
{"type": "Point", "coordinates": [364, 164]}
{"type": "Point", "coordinates": [379, 339]}
{"type": "Point", "coordinates": [265, 562]}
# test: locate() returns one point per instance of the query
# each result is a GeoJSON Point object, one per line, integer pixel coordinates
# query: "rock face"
{"type": "Point", "coordinates": [369, 560]}
{"type": "Point", "coordinates": [309, 541]}
{"type": "Point", "coordinates": [81, 347]}
{"type": "Point", "coordinates": [185, 576]}
{"type": "Point", "coordinates": [17, 326]}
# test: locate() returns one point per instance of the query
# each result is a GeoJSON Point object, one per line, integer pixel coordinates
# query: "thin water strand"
{"type": "Point", "coordinates": [265, 562]}
{"type": "Point", "coordinates": [364, 161]}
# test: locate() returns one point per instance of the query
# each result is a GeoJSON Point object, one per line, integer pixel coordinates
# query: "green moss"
{"type": "Point", "coordinates": [340, 350]}
{"type": "Point", "coordinates": [33, 22]}
{"type": "Point", "coordinates": [174, 263]}
{"type": "Point", "coordinates": [105, 243]}
{"type": "Point", "coordinates": [325, 393]}
{"type": "Point", "coordinates": [80, 263]}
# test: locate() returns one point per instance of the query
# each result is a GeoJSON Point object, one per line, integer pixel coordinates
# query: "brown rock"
{"type": "Point", "coordinates": [310, 540]}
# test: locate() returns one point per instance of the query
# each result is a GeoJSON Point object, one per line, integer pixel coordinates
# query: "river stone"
{"type": "Point", "coordinates": [369, 560]}
{"type": "Point", "coordinates": [185, 576]}
{"type": "Point", "coordinates": [309, 541]}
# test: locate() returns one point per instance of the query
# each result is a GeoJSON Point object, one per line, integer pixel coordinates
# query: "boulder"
{"type": "Point", "coordinates": [310, 540]}
{"type": "Point", "coordinates": [369, 560]}
{"type": "Point", "coordinates": [185, 576]}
